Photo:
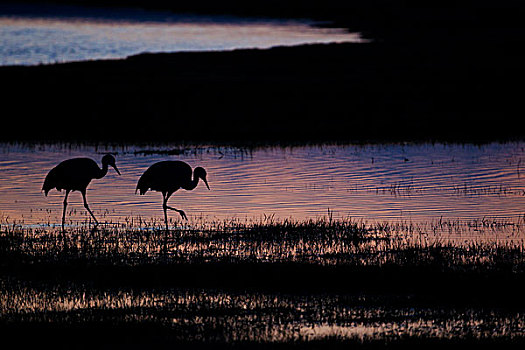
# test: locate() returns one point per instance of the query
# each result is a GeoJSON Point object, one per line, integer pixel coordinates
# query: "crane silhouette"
{"type": "Point", "coordinates": [167, 177]}
{"type": "Point", "coordinates": [75, 175]}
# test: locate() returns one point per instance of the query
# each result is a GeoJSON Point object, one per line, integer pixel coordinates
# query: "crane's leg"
{"type": "Point", "coordinates": [87, 207]}
{"type": "Point", "coordinates": [182, 213]}
{"type": "Point", "coordinates": [164, 207]}
{"type": "Point", "coordinates": [64, 210]}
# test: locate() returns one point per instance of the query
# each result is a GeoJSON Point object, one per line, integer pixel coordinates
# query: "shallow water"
{"type": "Point", "coordinates": [417, 183]}
{"type": "Point", "coordinates": [258, 317]}
{"type": "Point", "coordinates": [34, 35]}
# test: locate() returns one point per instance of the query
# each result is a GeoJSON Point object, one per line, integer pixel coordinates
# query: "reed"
{"type": "Point", "coordinates": [443, 244]}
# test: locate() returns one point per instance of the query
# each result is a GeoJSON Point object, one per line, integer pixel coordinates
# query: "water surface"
{"type": "Point", "coordinates": [34, 35]}
{"type": "Point", "coordinates": [417, 183]}
{"type": "Point", "coordinates": [258, 317]}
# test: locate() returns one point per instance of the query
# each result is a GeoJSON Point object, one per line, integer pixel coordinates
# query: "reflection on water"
{"type": "Point", "coordinates": [397, 183]}
{"type": "Point", "coordinates": [65, 34]}
{"type": "Point", "coordinates": [257, 317]}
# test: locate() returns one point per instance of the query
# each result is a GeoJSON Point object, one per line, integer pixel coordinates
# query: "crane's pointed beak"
{"type": "Point", "coordinates": [116, 169]}
{"type": "Point", "coordinates": [206, 182]}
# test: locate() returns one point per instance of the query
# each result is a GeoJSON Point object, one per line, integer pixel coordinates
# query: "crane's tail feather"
{"type": "Point", "coordinates": [142, 185]}
{"type": "Point", "coordinates": [47, 186]}
{"type": "Point", "coordinates": [50, 182]}
{"type": "Point", "coordinates": [141, 190]}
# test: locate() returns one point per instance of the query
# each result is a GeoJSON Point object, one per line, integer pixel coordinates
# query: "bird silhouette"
{"type": "Point", "coordinates": [167, 177]}
{"type": "Point", "coordinates": [75, 175]}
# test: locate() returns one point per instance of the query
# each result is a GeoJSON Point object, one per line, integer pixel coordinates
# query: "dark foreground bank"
{"type": "Point", "coordinates": [318, 284]}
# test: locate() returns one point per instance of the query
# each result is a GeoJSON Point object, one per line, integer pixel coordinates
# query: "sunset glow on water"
{"type": "Point", "coordinates": [417, 183]}
{"type": "Point", "coordinates": [68, 34]}
{"type": "Point", "coordinates": [307, 318]}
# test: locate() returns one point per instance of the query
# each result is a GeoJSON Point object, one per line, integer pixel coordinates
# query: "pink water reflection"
{"type": "Point", "coordinates": [33, 39]}
{"type": "Point", "coordinates": [416, 183]}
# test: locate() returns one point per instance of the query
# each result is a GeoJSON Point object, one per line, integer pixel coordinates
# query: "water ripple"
{"type": "Point", "coordinates": [376, 182]}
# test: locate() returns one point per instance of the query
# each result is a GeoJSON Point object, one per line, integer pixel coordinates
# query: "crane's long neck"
{"type": "Point", "coordinates": [190, 185]}
{"type": "Point", "coordinates": [102, 172]}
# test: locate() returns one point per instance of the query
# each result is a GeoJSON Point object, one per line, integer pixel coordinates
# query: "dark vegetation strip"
{"type": "Point", "coordinates": [430, 285]}
{"type": "Point", "coordinates": [350, 92]}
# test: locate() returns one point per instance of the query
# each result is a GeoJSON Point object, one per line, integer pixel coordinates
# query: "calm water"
{"type": "Point", "coordinates": [413, 183]}
{"type": "Point", "coordinates": [33, 35]}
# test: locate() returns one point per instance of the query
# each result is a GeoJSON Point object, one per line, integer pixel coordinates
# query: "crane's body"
{"type": "Point", "coordinates": [72, 174]}
{"type": "Point", "coordinates": [168, 177]}
{"type": "Point", "coordinates": [75, 175]}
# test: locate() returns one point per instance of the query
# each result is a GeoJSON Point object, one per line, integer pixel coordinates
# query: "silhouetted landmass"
{"type": "Point", "coordinates": [448, 71]}
{"type": "Point", "coordinates": [356, 92]}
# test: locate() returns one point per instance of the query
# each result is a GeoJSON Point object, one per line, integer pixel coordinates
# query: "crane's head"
{"type": "Point", "coordinates": [108, 159]}
{"type": "Point", "coordinates": [201, 174]}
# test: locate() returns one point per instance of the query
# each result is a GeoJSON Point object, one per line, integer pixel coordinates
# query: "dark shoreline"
{"type": "Point", "coordinates": [311, 93]}
{"type": "Point", "coordinates": [447, 73]}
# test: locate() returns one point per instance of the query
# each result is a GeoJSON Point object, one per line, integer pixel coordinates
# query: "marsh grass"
{"type": "Point", "coordinates": [139, 240]}
{"type": "Point", "coordinates": [267, 283]}
{"type": "Point", "coordinates": [443, 244]}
